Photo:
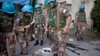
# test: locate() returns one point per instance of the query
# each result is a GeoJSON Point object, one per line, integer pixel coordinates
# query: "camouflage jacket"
{"type": "Point", "coordinates": [52, 13]}
{"type": "Point", "coordinates": [39, 18]}
{"type": "Point", "coordinates": [6, 23]}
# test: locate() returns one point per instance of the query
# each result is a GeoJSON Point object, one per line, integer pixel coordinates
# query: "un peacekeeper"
{"type": "Point", "coordinates": [64, 17]}
{"type": "Point", "coordinates": [50, 12]}
{"type": "Point", "coordinates": [39, 24]}
{"type": "Point", "coordinates": [51, 24]}
{"type": "Point", "coordinates": [81, 22]}
{"type": "Point", "coordinates": [7, 18]}
{"type": "Point", "coordinates": [24, 19]}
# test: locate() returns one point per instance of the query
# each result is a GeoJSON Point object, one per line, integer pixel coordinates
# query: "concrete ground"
{"type": "Point", "coordinates": [91, 45]}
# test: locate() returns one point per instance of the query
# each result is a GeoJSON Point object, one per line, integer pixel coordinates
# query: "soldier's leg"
{"type": "Point", "coordinates": [49, 35]}
{"type": "Point", "coordinates": [26, 36]}
{"type": "Point", "coordinates": [36, 37]}
{"type": "Point", "coordinates": [22, 43]}
{"type": "Point", "coordinates": [79, 31]}
{"type": "Point", "coordinates": [62, 44]}
{"type": "Point", "coordinates": [11, 41]}
{"type": "Point", "coordinates": [41, 35]}
{"type": "Point", "coordinates": [83, 29]}
{"type": "Point", "coordinates": [55, 43]}
{"type": "Point", "coordinates": [3, 45]}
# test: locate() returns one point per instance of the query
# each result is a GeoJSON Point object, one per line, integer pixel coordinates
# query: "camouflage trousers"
{"type": "Point", "coordinates": [22, 37]}
{"type": "Point", "coordinates": [3, 45]}
{"type": "Point", "coordinates": [81, 28]}
{"type": "Point", "coordinates": [59, 41]}
{"type": "Point", "coordinates": [39, 32]}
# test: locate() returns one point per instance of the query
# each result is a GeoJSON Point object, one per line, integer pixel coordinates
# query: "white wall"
{"type": "Point", "coordinates": [75, 7]}
{"type": "Point", "coordinates": [40, 1]}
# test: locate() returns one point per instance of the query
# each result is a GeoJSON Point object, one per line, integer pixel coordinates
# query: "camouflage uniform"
{"type": "Point", "coordinates": [52, 13]}
{"type": "Point", "coordinates": [81, 24]}
{"type": "Point", "coordinates": [64, 13]}
{"type": "Point", "coordinates": [22, 33]}
{"type": "Point", "coordinates": [59, 38]}
{"type": "Point", "coordinates": [6, 28]}
{"type": "Point", "coordinates": [39, 26]}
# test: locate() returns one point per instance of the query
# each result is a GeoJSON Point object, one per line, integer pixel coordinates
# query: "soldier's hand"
{"type": "Point", "coordinates": [46, 29]}
{"type": "Point", "coordinates": [11, 38]}
{"type": "Point", "coordinates": [65, 29]}
{"type": "Point", "coordinates": [27, 26]}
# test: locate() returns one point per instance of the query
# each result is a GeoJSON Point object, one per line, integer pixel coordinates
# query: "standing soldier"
{"type": "Point", "coordinates": [80, 22]}
{"type": "Point", "coordinates": [63, 20]}
{"type": "Point", "coordinates": [51, 24]}
{"type": "Point", "coordinates": [39, 24]}
{"type": "Point", "coordinates": [22, 32]}
{"type": "Point", "coordinates": [7, 18]}
{"type": "Point", "coordinates": [51, 13]}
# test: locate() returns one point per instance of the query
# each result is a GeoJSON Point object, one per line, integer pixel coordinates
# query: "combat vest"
{"type": "Point", "coordinates": [39, 18]}
{"type": "Point", "coordinates": [52, 17]}
{"type": "Point", "coordinates": [63, 17]}
{"type": "Point", "coordinates": [25, 20]}
{"type": "Point", "coordinates": [6, 23]}
{"type": "Point", "coordinates": [81, 17]}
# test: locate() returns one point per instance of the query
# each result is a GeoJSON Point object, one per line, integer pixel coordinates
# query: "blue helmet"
{"type": "Point", "coordinates": [82, 6]}
{"type": "Point", "coordinates": [8, 8]}
{"type": "Point", "coordinates": [38, 6]}
{"type": "Point", "coordinates": [27, 8]}
{"type": "Point", "coordinates": [48, 1]}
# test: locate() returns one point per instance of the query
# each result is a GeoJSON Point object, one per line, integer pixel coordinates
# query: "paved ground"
{"type": "Point", "coordinates": [90, 44]}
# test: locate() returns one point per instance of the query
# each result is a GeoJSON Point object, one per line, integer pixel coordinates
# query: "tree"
{"type": "Point", "coordinates": [95, 15]}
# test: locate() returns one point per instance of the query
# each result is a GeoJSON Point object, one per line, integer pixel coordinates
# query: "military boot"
{"type": "Point", "coordinates": [41, 42]}
{"type": "Point", "coordinates": [36, 43]}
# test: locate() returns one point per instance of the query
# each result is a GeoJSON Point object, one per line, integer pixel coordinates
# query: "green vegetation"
{"type": "Point", "coordinates": [95, 15]}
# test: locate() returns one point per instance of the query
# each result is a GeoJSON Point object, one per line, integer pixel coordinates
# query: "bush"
{"type": "Point", "coordinates": [95, 15]}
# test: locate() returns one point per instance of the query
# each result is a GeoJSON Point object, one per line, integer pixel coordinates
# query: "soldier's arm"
{"type": "Point", "coordinates": [68, 19]}
{"type": "Point", "coordinates": [76, 16]}
{"type": "Point", "coordinates": [14, 22]}
{"type": "Point", "coordinates": [30, 24]}
{"type": "Point", "coordinates": [58, 17]}
{"type": "Point", "coordinates": [46, 18]}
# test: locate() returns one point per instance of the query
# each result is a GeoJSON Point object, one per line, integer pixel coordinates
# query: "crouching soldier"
{"type": "Point", "coordinates": [7, 18]}
{"type": "Point", "coordinates": [22, 32]}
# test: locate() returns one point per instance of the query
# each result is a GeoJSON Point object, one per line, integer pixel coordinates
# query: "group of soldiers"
{"type": "Point", "coordinates": [53, 21]}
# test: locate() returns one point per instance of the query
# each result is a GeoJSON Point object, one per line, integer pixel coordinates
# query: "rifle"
{"type": "Point", "coordinates": [76, 46]}
{"type": "Point", "coordinates": [73, 51]}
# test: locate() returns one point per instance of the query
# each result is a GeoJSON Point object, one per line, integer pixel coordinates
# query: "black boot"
{"type": "Point", "coordinates": [81, 38]}
{"type": "Point", "coordinates": [21, 53]}
{"type": "Point", "coordinates": [41, 42]}
{"type": "Point", "coordinates": [78, 39]}
{"type": "Point", "coordinates": [36, 43]}
{"type": "Point", "coordinates": [31, 38]}
{"type": "Point", "coordinates": [55, 54]}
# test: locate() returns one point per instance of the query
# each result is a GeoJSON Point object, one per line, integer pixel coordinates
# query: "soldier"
{"type": "Point", "coordinates": [39, 24]}
{"type": "Point", "coordinates": [7, 22]}
{"type": "Point", "coordinates": [22, 32]}
{"type": "Point", "coordinates": [64, 19]}
{"type": "Point", "coordinates": [51, 24]}
{"type": "Point", "coordinates": [51, 14]}
{"type": "Point", "coordinates": [80, 22]}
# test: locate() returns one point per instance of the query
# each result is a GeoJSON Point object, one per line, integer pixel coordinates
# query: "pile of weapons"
{"type": "Point", "coordinates": [75, 47]}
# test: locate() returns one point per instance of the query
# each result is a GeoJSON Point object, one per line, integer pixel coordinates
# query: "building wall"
{"type": "Point", "coordinates": [75, 7]}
